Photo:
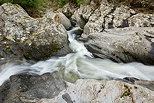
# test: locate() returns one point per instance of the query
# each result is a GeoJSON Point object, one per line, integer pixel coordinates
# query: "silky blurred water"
{"type": "Point", "coordinates": [79, 64]}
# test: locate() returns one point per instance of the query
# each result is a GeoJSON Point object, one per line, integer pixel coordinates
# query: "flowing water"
{"type": "Point", "coordinates": [79, 64]}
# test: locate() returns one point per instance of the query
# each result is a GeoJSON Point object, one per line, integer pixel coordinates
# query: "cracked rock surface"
{"type": "Point", "coordinates": [94, 18]}
{"type": "Point", "coordinates": [95, 91]}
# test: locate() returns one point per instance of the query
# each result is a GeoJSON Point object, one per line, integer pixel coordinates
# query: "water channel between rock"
{"type": "Point", "coordinates": [80, 64]}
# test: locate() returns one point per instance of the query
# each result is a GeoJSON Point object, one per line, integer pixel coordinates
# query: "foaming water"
{"type": "Point", "coordinates": [80, 63]}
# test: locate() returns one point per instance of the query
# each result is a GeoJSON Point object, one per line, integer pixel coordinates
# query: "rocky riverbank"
{"type": "Point", "coordinates": [114, 32]}
{"type": "Point", "coordinates": [35, 39]}
{"type": "Point", "coordinates": [50, 88]}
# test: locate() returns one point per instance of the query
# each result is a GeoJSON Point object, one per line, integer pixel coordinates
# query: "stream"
{"type": "Point", "coordinates": [80, 64]}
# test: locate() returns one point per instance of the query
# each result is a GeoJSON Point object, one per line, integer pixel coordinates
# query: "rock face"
{"type": "Point", "coordinates": [81, 16]}
{"type": "Point", "coordinates": [94, 91]}
{"type": "Point", "coordinates": [108, 17]}
{"type": "Point", "coordinates": [32, 38]}
{"type": "Point", "coordinates": [123, 44]}
{"type": "Point", "coordinates": [96, 18]}
{"type": "Point", "coordinates": [142, 20]}
{"type": "Point", "coordinates": [24, 86]}
{"type": "Point", "coordinates": [110, 33]}
{"type": "Point", "coordinates": [68, 10]}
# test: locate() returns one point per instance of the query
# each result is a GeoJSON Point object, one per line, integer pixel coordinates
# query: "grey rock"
{"type": "Point", "coordinates": [144, 83]}
{"type": "Point", "coordinates": [50, 88]}
{"type": "Point", "coordinates": [58, 18]}
{"type": "Point", "coordinates": [26, 87]}
{"type": "Point", "coordinates": [94, 91]}
{"type": "Point", "coordinates": [81, 16]}
{"type": "Point", "coordinates": [68, 10]}
{"type": "Point", "coordinates": [142, 20]}
{"type": "Point", "coordinates": [32, 38]}
{"type": "Point", "coordinates": [108, 16]}
{"type": "Point", "coordinates": [96, 20]}
{"type": "Point", "coordinates": [65, 21]}
{"type": "Point", "coordinates": [123, 44]}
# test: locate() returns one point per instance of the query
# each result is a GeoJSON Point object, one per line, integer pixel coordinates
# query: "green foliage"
{"type": "Point", "coordinates": [136, 3]}
{"type": "Point", "coordinates": [5, 1]}
{"type": "Point", "coordinates": [26, 3]}
{"type": "Point", "coordinates": [33, 7]}
{"type": "Point", "coordinates": [63, 2]}
{"type": "Point", "coordinates": [79, 2]}
{"type": "Point", "coordinates": [144, 6]}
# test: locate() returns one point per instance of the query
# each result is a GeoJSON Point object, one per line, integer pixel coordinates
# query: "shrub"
{"type": "Point", "coordinates": [135, 3]}
{"type": "Point", "coordinates": [63, 2]}
{"type": "Point", "coordinates": [33, 7]}
{"type": "Point", "coordinates": [25, 3]}
{"type": "Point", "coordinates": [5, 1]}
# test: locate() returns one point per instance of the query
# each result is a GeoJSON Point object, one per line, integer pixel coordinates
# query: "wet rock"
{"type": "Point", "coordinates": [94, 91]}
{"type": "Point", "coordinates": [78, 32]}
{"type": "Point", "coordinates": [123, 44]}
{"type": "Point", "coordinates": [24, 36]}
{"type": "Point", "coordinates": [10, 60]}
{"type": "Point", "coordinates": [24, 87]}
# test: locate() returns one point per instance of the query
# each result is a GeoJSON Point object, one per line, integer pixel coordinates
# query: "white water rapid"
{"type": "Point", "coordinates": [80, 63]}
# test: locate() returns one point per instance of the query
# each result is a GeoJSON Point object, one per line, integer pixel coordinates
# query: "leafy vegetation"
{"type": "Point", "coordinates": [146, 6]}
{"type": "Point", "coordinates": [5, 1]}
{"type": "Point", "coordinates": [31, 6]}
{"type": "Point", "coordinates": [135, 3]}
{"type": "Point", "coordinates": [63, 2]}
{"type": "Point", "coordinates": [26, 3]}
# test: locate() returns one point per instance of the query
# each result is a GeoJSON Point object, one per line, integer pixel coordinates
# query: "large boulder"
{"type": "Point", "coordinates": [94, 91]}
{"type": "Point", "coordinates": [24, 36]}
{"type": "Point", "coordinates": [123, 44]}
{"type": "Point", "coordinates": [50, 88]}
{"type": "Point", "coordinates": [26, 86]}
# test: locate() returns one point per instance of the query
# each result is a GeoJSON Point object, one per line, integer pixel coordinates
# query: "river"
{"type": "Point", "coordinates": [80, 64]}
